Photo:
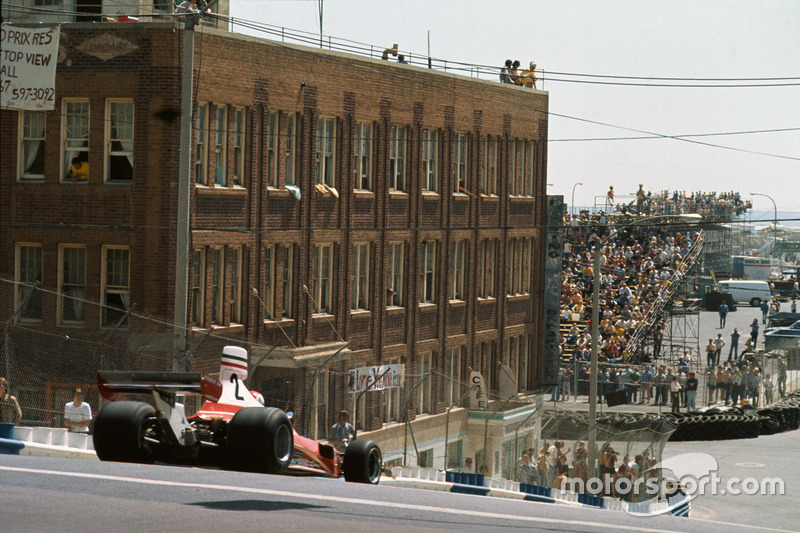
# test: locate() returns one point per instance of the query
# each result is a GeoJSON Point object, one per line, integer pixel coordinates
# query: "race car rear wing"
{"type": "Point", "coordinates": [112, 385]}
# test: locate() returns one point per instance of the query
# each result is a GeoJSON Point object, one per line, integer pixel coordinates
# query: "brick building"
{"type": "Point", "coordinates": [337, 202]}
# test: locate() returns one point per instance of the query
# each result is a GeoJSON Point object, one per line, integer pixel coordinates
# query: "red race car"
{"type": "Point", "coordinates": [232, 429]}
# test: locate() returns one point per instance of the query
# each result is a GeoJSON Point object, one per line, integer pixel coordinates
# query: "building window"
{"type": "Point", "coordinates": [391, 412]}
{"type": "Point", "coordinates": [116, 286]}
{"type": "Point", "coordinates": [461, 160]}
{"type": "Point", "coordinates": [201, 146]}
{"type": "Point", "coordinates": [326, 144]}
{"type": "Point", "coordinates": [519, 265]}
{"type": "Point", "coordinates": [487, 259]}
{"type": "Point", "coordinates": [238, 146]}
{"type": "Point", "coordinates": [273, 144]}
{"type": "Point", "coordinates": [524, 362]}
{"type": "Point", "coordinates": [530, 167]}
{"type": "Point", "coordinates": [198, 286]}
{"type": "Point", "coordinates": [427, 272]}
{"type": "Point", "coordinates": [28, 301]}
{"type": "Point", "coordinates": [268, 298]}
{"type": "Point", "coordinates": [71, 284]}
{"type": "Point", "coordinates": [217, 278]}
{"type": "Point", "coordinates": [454, 375]}
{"type": "Point", "coordinates": [430, 160]}
{"type": "Point", "coordinates": [75, 120]}
{"type": "Point", "coordinates": [236, 284]}
{"type": "Point", "coordinates": [362, 154]}
{"type": "Point", "coordinates": [394, 273]}
{"type": "Point", "coordinates": [484, 361]}
{"type": "Point", "coordinates": [288, 276]}
{"type": "Point", "coordinates": [360, 279]}
{"type": "Point", "coordinates": [489, 165]}
{"type": "Point", "coordinates": [323, 262]}
{"type": "Point", "coordinates": [424, 398]}
{"type": "Point", "coordinates": [290, 132]}
{"type": "Point", "coordinates": [457, 270]}
{"type": "Point", "coordinates": [320, 414]}
{"type": "Point", "coordinates": [397, 159]}
{"type": "Point", "coordinates": [119, 140]}
{"type": "Point", "coordinates": [221, 146]}
{"type": "Point", "coordinates": [31, 149]}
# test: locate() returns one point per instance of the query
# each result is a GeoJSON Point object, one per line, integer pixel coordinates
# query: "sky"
{"type": "Point", "coordinates": [711, 39]}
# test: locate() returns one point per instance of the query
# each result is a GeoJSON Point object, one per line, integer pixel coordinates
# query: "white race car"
{"type": "Point", "coordinates": [232, 429]}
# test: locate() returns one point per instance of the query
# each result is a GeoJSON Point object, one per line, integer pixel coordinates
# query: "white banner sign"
{"type": "Point", "coordinates": [477, 397]}
{"type": "Point", "coordinates": [28, 58]}
{"type": "Point", "coordinates": [383, 377]}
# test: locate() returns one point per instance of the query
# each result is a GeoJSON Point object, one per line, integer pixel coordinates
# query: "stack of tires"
{"type": "Point", "coordinates": [733, 423]}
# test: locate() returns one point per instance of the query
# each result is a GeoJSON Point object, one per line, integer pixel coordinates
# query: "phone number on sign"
{"type": "Point", "coordinates": [28, 93]}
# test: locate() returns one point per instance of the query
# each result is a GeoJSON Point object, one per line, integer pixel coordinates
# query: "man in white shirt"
{"type": "Point", "coordinates": [77, 414]}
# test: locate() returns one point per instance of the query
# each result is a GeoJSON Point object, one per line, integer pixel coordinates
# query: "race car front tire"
{"type": "Point", "coordinates": [362, 462]}
{"type": "Point", "coordinates": [260, 439]}
{"type": "Point", "coordinates": [119, 432]}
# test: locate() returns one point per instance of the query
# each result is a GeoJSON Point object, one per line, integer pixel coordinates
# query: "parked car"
{"type": "Point", "coordinates": [782, 337]}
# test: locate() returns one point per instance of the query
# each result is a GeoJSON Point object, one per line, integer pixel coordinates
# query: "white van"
{"type": "Point", "coordinates": [751, 291]}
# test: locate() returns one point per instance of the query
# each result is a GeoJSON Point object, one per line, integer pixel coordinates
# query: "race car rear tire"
{"type": "Point", "coordinates": [119, 432]}
{"type": "Point", "coordinates": [260, 439]}
{"type": "Point", "coordinates": [362, 462]}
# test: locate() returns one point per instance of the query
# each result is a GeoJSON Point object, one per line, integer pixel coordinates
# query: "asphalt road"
{"type": "Point", "coordinates": [65, 495]}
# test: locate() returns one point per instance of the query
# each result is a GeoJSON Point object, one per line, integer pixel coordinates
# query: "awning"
{"type": "Point", "coordinates": [301, 356]}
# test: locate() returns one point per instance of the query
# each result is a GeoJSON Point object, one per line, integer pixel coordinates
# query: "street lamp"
{"type": "Point", "coordinates": [596, 319]}
{"type": "Point", "coordinates": [774, 220]}
{"type": "Point", "coordinates": [572, 202]}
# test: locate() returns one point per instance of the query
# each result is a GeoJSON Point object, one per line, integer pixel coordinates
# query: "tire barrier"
{"type": "Point", "coordinates": [723, 423]}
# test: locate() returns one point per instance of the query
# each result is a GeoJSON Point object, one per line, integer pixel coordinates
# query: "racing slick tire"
{"type": "Point", "coordinates": [119, 432]}
{"type": "Point", "coordinates": [260, 439]}
{"type": "Point", "coordinates": [362, 462]}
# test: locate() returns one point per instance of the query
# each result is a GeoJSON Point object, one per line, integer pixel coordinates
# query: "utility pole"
{"type": "Point", "coordinates": [181, 361]}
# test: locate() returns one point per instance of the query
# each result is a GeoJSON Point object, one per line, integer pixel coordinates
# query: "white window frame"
{"type": "Point", "coordinates": [269, 281]}
{"type": "Point", "coordinates": [288, 279]}
{"type": "Point", "coordinates": [395, 272]}
{"type": "Point", "coordinates": [454, 358]}
{"type": "Point", "coordinates": [221, 146]}
{"type": "Point", "coordinates": [461, 163]}
{"type": "Point", "coordinates": [321, 401]}
{"type": "Point", "coordinates": [323, 278]}
{"type": "Point", "coordinates": [201, 145]}
{"type": "Point", "coordinates": [489, 165]}
{"type": "Point", "coordinates": [198, 287]}
{"type": "Point", "coordinates": [273, 146]}
{"type": "Point", "coordinates": [359, 280]}
{"type": "Point", "coordinates": [290, 147]}
{"type": "Point", "coordinates": [217, 285]}
{"type": "Point", "coordinates": [530, 167]}
{"type": "Point", "coordinates": [71, 144]}
{"type": "Point", "coordinates": [112, 134]}
{"type": "Point", "coordinates": [30, 124]}
{"type": "Point", "coordinates": [457, 267]}
{"type": "Point", "coordinates": [71, 283]}
{"type": "Point", "coordinates": [487, 268]}
{"type": "Point", "coordinates": [236, 284]}
{"type": "Point", "coordinates": [239, 143]}
{"type": "Point", "coordinates": [391, 405]}
{"type": "Point", "coordinates": [427, 272]}
{"type": "Point", "coordinates": [362, 156]}
{"type": "Point", "coordinates": [28, 275]}
{"type": "Point", "coordinates": [430, 160]}
{"type": "Point", "coordinates": [113, 286]}
{"type": "Point", "coordinates": [424, 391]}
{"type": "Point", "coordinates": [326, 151]}
{"type": "Point", "coordinates": [398, 139]}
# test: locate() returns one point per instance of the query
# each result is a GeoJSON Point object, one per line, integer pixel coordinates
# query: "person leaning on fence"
{"type": "Point", "coordinates": [526, 472]}
{"type": "Point", "coordinates": [77, 414]}
{"type": "Point", "coordinates": [10, 411]}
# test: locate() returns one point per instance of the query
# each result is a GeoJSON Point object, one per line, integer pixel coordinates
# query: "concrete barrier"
{"type": "Point", "coordinates": [55, 442]}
